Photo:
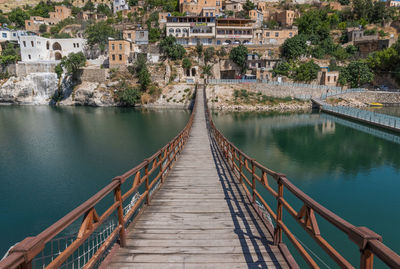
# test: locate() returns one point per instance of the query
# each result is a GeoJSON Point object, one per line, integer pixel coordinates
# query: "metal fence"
{"type": "Point", "coordinates": [264, 81]}
{"type": "Point", "coordinates": [340, 91]}
{"type": "Point", "coordinates": [369, 116]}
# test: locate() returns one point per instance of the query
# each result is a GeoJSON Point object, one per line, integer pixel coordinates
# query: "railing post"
{"type": "Point", "coordinates": [278, 229]}
{"type": "Point", "coordinates": [29, 248]}
{"type": "Point", "coordinates": [241, 168]}
{"type": "Point", "coordinates": [120, 211]}
{"type": "Point", "coordinates": [253, 180]}
{"type": "Point", "coordinates": [361, 236]}
{"type": "Point", "coordinates": [146, 173]}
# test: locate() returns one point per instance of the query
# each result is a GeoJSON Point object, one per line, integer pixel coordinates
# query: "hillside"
{"type": "Point", "coordinates": [8, 5]}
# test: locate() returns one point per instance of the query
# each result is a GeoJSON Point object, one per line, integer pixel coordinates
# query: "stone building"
{"type": "Point", "coordinates": [60, 13]}
{"type": "Point", "coordinates": [365, 46]}
{"type": "Point", "coordinates": [275, 37]}
{"type": "Point", "coordinates": [191, 30]}
{"type": "Point", "coordinates": [119, 52]}
{"type": "Point", "coordinates": [328, 78]}
{"type": "Point", "coordinates": [195, 7]}
{"type": "Point", "coordinates": [285, 18]}
{"type": "Point", "coordinates": [37, 49]}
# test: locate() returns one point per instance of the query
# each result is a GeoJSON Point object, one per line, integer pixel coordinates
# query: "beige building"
{"type": "Point", "coordinates": [119, 53]}
{"type": "Point", "coordinates": [329, 78]}
{"type": "Point", "coordinates": [233, 6]}
{"type": "Point", "coordinates": [274, 37]}
{"type": "Point", "coordinates": [195, 7]}
{"type": "Point", "coordinates": [60, 13]}
{"type": "Point", "coordinates": [393, 3]}
{"type": "Point", "coordinates": [285, 18]}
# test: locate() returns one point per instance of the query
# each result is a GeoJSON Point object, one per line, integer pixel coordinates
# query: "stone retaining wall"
{"type": "Point", "coordinates": [374, 97]}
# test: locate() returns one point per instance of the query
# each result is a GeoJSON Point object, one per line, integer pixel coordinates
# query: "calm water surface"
{"type": "Point", "coordinates": [343, 165]}
{"type": "Point", "coordinates": [53, 159]}
{"type": "Point", "coordinates": [394, 111]}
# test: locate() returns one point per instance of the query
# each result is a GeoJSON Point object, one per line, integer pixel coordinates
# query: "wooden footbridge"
{"type": "Point", "coordinates": [196, 203]}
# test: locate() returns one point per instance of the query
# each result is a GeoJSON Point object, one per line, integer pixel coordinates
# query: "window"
{"type": "Point", "coordinates": [77, 45]}
{"type": "Point", "coordinates": [112, 46]}
{"type": "Point", "coordinates": [206, 14]}
{"type": "Point", "coordinates": [290, 34]}
{"type": "Point", "coordinates": [276, 34]}
{"type": "Point", "coordinates": [29, 56]}
{"type": "Point", "coordinates": [120, 46]}
{"type": "Point", "coordinates": [329, 79]}
{"type": "Point", "coordinates": [218, 3]}
{"type": "Point", "coordinates": [334, 78]}
{"type": "Point", "coordinates": [74, 45]}
{"type": "Point", "coordinates": [4, 35]}
{"type": "Point", "coordinates": [120, 57]}
{"type": "Point", "coordinates": [141, 34]}
{"type": "Point", "coordinates": [171, 30]}
{"type": "Point", "coordinates": [113, 57]}
{"type": "Point", "coordinates": [129, 35]}
{"type": "Point", "coordinates": [211, 14]}
{"type": "Point", "coordinates": [32, 43]}
{"type": "Point", "coordinates": [29, 23]}
{"type": "Point", "coordinates": [267, 34]}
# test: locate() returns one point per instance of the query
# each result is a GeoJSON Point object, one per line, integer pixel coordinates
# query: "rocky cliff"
{"type": "Point", "coordinates": [39, 89]}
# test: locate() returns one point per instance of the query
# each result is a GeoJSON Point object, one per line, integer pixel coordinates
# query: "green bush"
{"type": "Point", "coordinates": [129, 96]}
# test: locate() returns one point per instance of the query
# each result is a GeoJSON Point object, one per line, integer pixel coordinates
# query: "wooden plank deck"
{"type": "Point", "coordinates": [200, 218]}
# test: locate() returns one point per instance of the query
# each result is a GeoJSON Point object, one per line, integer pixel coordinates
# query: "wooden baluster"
{"type": "Point", "coordinates": [278, 229]}
{"type": "Point", "coordinates": [367, 259]}
{"type": "Point", "coordinates": [241, 168]}
{"type": "Point", "coordinates": [253, 180]}
{"type": "Point", "coordinates": [146, 174]}
{"type": "Point", "coordinates": [120, 212]}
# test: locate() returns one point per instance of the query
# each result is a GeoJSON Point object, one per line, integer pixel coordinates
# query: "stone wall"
{"type": "Point", "coordinates": [24, 69]}
{"type": "Point", "coordinates": [374, 97]}
{"type": "Point", "coordinates": [94, 75]}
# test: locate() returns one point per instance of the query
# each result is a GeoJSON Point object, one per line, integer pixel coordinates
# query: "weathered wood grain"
{"type": "Point", "coordinates": [200, 217]}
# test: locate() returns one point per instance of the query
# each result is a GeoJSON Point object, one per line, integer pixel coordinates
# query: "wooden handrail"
{"type": "Point", "coordinates": [154, 168]}
{"type": "Point", "coordinates": [369, 243]}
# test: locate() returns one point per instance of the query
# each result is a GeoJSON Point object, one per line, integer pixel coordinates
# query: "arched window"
{"type": "Point", "coordinates": [178, 30]}
{"type": "Point", "coordinates": [58, 56]}
{"type": "Point", "coordinates": [56, 46]}
{"type": "Point", "coordinates": [171, 30]}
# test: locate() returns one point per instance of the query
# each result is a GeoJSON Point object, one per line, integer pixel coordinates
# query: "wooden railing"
{"type": "Point", "coordinates": [249, 172]}
{"type": "Point", "coordinates": [145, 176]}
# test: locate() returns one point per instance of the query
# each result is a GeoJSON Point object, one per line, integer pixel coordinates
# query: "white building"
{"type": "Point", "coordinates": [120, 5]}
{"type": "Point", "coordinates": [11, 35]}
{"type": "Point", "coordinates": [37, 49]}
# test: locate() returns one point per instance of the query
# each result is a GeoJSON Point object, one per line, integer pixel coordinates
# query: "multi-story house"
{"type": "Point", "coordinates": [257, 16]}
{"type": "Point", "coordinates": [233, 6]}
{"type": "Point", "coordinates": [11, 35]}
{"type": "Point", "coordinates": [234, 31]}
{"type": "Point", "coordinates": [275, 37]}
{"type": "Point", "coordinates": [285, 18]}
{"type": "Point", "coordinates": [119, 52]}
{"type": "Point", "coordinates": [33, 24]}
{"type": "Point", "coordinates": [192, 30]}
{"type": "Point", "coordinates": [36, 48]}
{"type": "Point", "coordinates": [195, 7]}
{"type": "Point", "coordinates": [60, 13]}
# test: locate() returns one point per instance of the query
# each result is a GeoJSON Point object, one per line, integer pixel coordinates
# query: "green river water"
{"type": "Point", "coordinates": [53, 159]}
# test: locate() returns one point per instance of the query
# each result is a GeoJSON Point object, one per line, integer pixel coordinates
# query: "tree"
{"type": "Point", "coordinates": [306, 72]}
{"type": "Point", "coordinates": [73, 62]}
{"type": "Point", "coordinates": [43, 28]}
{"type": "Point", "coordinates": [209, 54]}
{"type": "Point", "coordinates": [129, 96]}
{"type": "Point", "coordinates": [42, 9]}
{"type": "Point", "coordinates": [154, 35]}
{"type": "Point", "coordinates": [344, 2]}
{"type": "Point", "coordinates": [294, 47]}
{"type": "Point", "coordinates": [58, 70]}
{"type": "Point", "coordinates": [356, 74]}
{"type": "Point", "coordinates": [18, 17]}
{"type": "Point", "coordinates": [186, 63]}
{"type": "Point", "coordinates": [142, 73]}
{"type": "Point", "coordinates": [98, 34]}
{"type": "Point", "coordinates": [9, 55]}
{"type": "Point", "coordinates": [206, 71]}
{"type": "Point", "coordinates": [282, 69]}
{"type": "Point", "coordinates": [249, 5]}
{"type": "Point", "coordinates": [199, 49]}
{"type": "Point", "coordinates": [239, 56]}
{"type": "Point", "coordinates": [362, 9]}
{"type": "Point", "coordinates": [89, 6]}
{"type": "Point", "coordinates": [172, 50]}
{"type": "Point", "coordinates": [104, 9]}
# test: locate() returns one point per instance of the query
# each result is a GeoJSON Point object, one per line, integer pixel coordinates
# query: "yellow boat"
{"type": "Point", "coordinates": [376, 104]}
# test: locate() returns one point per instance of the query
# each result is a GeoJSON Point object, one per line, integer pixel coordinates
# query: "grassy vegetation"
{"type": "Point", "coordinates": [252, 98]}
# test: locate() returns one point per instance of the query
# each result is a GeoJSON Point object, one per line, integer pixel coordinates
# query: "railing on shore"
{"type": "Point", "coordinates": [94, 234]}
{"type": "Point", "coordinates": [381, 120]}
{"type": "Point", "coordinates": [251, 174]}
{"type": "Point", "coordinates": [340, 92]}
